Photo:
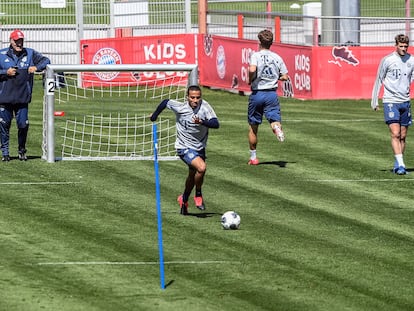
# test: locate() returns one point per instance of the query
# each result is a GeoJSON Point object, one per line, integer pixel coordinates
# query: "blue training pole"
{"type": "Point", "coordinates": [158, 202]}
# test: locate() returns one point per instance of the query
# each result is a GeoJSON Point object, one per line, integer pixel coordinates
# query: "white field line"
{"type": "Point", "coordinates": [314, 120]}
{"type": "Point", "coordinates": [361, 180]}
{"type": "Point", "coordinates": [126, 263]}
{"type": "Point", "coordinates": [40, 182]}
{"type": "Point", "coordinates": [336, 120]}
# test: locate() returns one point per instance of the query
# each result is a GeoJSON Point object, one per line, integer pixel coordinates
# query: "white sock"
{"type": "Point", "coordinates": [252, 154]}
{"type": "Point", "coordinates": [399, 159]}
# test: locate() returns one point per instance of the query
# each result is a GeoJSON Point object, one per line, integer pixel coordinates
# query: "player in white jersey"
{"type": "Point", "coordinates": [266, 68]}
{"type": "Point", "coordinates": [395, 73]}
{"type": "Point", "coordinates": [194, 118]}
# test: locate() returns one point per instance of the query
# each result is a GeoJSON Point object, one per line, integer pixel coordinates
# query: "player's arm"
{"type": "Point", "coordinates": [211, 123]}
{"type": "Point", "coordinates": [40, 61]}
{"type": "Point", "coordinates": [284, 77]}
{"type": "Point", "coordinates": [283, 72]}
{"type": "Point", "coordinates": [252, 73]}
{"type": "Point", "coordinates": [375, 93]}
{"type": "Point", "coordinates": [377, 85]}
{"type": "Point", "coordinates": [158, 110]}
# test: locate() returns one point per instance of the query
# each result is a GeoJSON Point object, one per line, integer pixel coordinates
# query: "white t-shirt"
{"type": "Point", "coordinates": [269, 68]}
{"type": "Point", "coordinates": [190, 134]}
{"type": "Point", "coordinates": [395, 72]}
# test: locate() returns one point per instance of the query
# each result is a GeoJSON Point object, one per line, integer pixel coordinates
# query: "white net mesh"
{"type": "Point", "coordinates": [116, 137]}
{"type": "Point", "coordinates": [105, 120]}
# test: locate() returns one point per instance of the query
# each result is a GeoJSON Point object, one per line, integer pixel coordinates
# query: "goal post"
{"type": "Point", "coordinates": [108, 120]}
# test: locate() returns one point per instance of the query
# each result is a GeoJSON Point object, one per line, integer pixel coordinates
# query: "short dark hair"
{"type": "Point", "coordinates": [193, 88]}
{"type": "Point", "coordinates": [265, 38]}
{"type": "Point", "coordinates": [401, 38]}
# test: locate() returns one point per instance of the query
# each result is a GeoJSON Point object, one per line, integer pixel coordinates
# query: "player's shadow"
{"type": "Point", "coordinates": [407, 169]}
{"type": "Point", "coordinates": [281, 164]}
{"type": "Point", "coordinates": [28, 158]}
{"type": "Point", "coordinates": [202, 215]}
{"type": "Point", "coordinates": [169, 283]}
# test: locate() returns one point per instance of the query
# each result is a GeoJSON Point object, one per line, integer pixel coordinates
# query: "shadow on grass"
{"type": "Point", "coordinates": [202, 215]}
{"type": "Point", "coordinates": [278, 163]}
{"type": "Point", "coordinates": [408, 170]}
{"type": "Point", "coordinates": [28, 158]}
{"type": "Point", "coordinates": [169, 283]}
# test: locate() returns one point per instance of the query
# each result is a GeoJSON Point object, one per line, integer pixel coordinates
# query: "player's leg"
{"type": "Point", "coordinates": [6, 116]}
{"type": "Point", "coordinates": [397, 147]}
{"type": "Point", "coordinates": [277, 130]}
{"type": "Point", "coordinates": [405, 121]}
{"type": "Point", "coordinates": [403, 136]}
{"type": "Point", "coordinates": [254, 118]}
{"type": "Point", "coordinates": [195, 161]}
{"type": "Point", "coordinates": [273, 115]}
{"type": "Point", "coordinates": [253, 130]}
{"type": "Point", "coordinates": [195, 178]}
{"type": "Point", "coordinates": [398, 117]}
{"type": "Point", "coordinates": [395, 133]}
{"type": "Point", "coordinates": [200, 167]}
{"type": "Point", "coordinates": [189, 183]}
{"type": "Point", "coordinates": [22, 121]}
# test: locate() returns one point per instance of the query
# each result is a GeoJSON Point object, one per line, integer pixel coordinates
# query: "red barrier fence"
{"type": "Point", "coordinates": [345, 72]}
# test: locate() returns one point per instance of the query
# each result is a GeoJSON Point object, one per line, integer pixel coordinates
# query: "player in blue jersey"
{"type": "Point", "coordinates": [266, 68]}
{"type": "Point", "coordinates": [395, 73]}
{"type": "Point", "coordinates": [194, 118]}
{"type": "Point", "coordinates": [17, 66]}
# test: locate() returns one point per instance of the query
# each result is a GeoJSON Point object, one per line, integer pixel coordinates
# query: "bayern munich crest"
{"type": "Point", "coordinates": [221, 62]}
{"type": "Point", "coordinates": [107, 56]}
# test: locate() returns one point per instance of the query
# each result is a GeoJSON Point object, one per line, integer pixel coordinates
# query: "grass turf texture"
{"type": "Point", "coordinates": [325, 224]}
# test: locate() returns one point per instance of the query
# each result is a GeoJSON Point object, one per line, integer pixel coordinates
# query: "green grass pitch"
{"type": "Point", "coordinates": [325, 224]}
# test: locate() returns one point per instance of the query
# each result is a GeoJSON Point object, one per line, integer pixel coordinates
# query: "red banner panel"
{"type": "Point", "coordinates": [346, 72]}
{"type": "Point", "coordinates": [224, 64]}
{"type": "Point", "coordinates": [163, 49]}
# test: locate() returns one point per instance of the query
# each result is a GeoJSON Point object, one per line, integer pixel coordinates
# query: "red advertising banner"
{"type": "Point", "coordinates": [224, 63]}
{"type": "Point", "coordinates": [164, 49]}
{"type": "Point", "coordinates": [346, 72]}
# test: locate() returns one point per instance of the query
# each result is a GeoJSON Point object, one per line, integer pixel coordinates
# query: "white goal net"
{"type": "Point", "coordinates": [101, 112]}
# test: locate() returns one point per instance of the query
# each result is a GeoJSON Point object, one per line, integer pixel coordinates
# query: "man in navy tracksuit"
{"type": "Point", "coordinates": [17, 67]}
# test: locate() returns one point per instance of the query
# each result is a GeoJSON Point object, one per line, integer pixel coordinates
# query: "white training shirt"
{"type": "Point", "coordinates": [190, 134]}
{"type": "Point", "coordinates": [269, 68]}
{"type": "Point", "coordinates": [395, 73]}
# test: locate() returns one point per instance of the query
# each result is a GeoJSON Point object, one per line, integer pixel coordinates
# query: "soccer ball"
{"type": "Point", "coordinates": [230, 220]}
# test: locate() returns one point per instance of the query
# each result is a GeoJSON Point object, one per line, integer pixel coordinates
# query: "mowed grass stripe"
{"type": "Point", "coordinates": [305, 243]}
{"type": "Point", "coordinates": [349, 201]}
{"type": "Point", "coordinates": [326, 230]}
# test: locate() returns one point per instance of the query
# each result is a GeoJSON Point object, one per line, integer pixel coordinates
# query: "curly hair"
{"type": "Point", "coordinates": [265, 38]}
{"type": "Point", "coordinates": [401, 38]}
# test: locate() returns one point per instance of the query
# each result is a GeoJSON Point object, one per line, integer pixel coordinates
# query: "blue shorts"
{"type": "Point", "coordinates": [398, 113]}
{"type": "Point", "coordinates": [263, 103]}
{"type": "Point", "coordinates": [188, 154]}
